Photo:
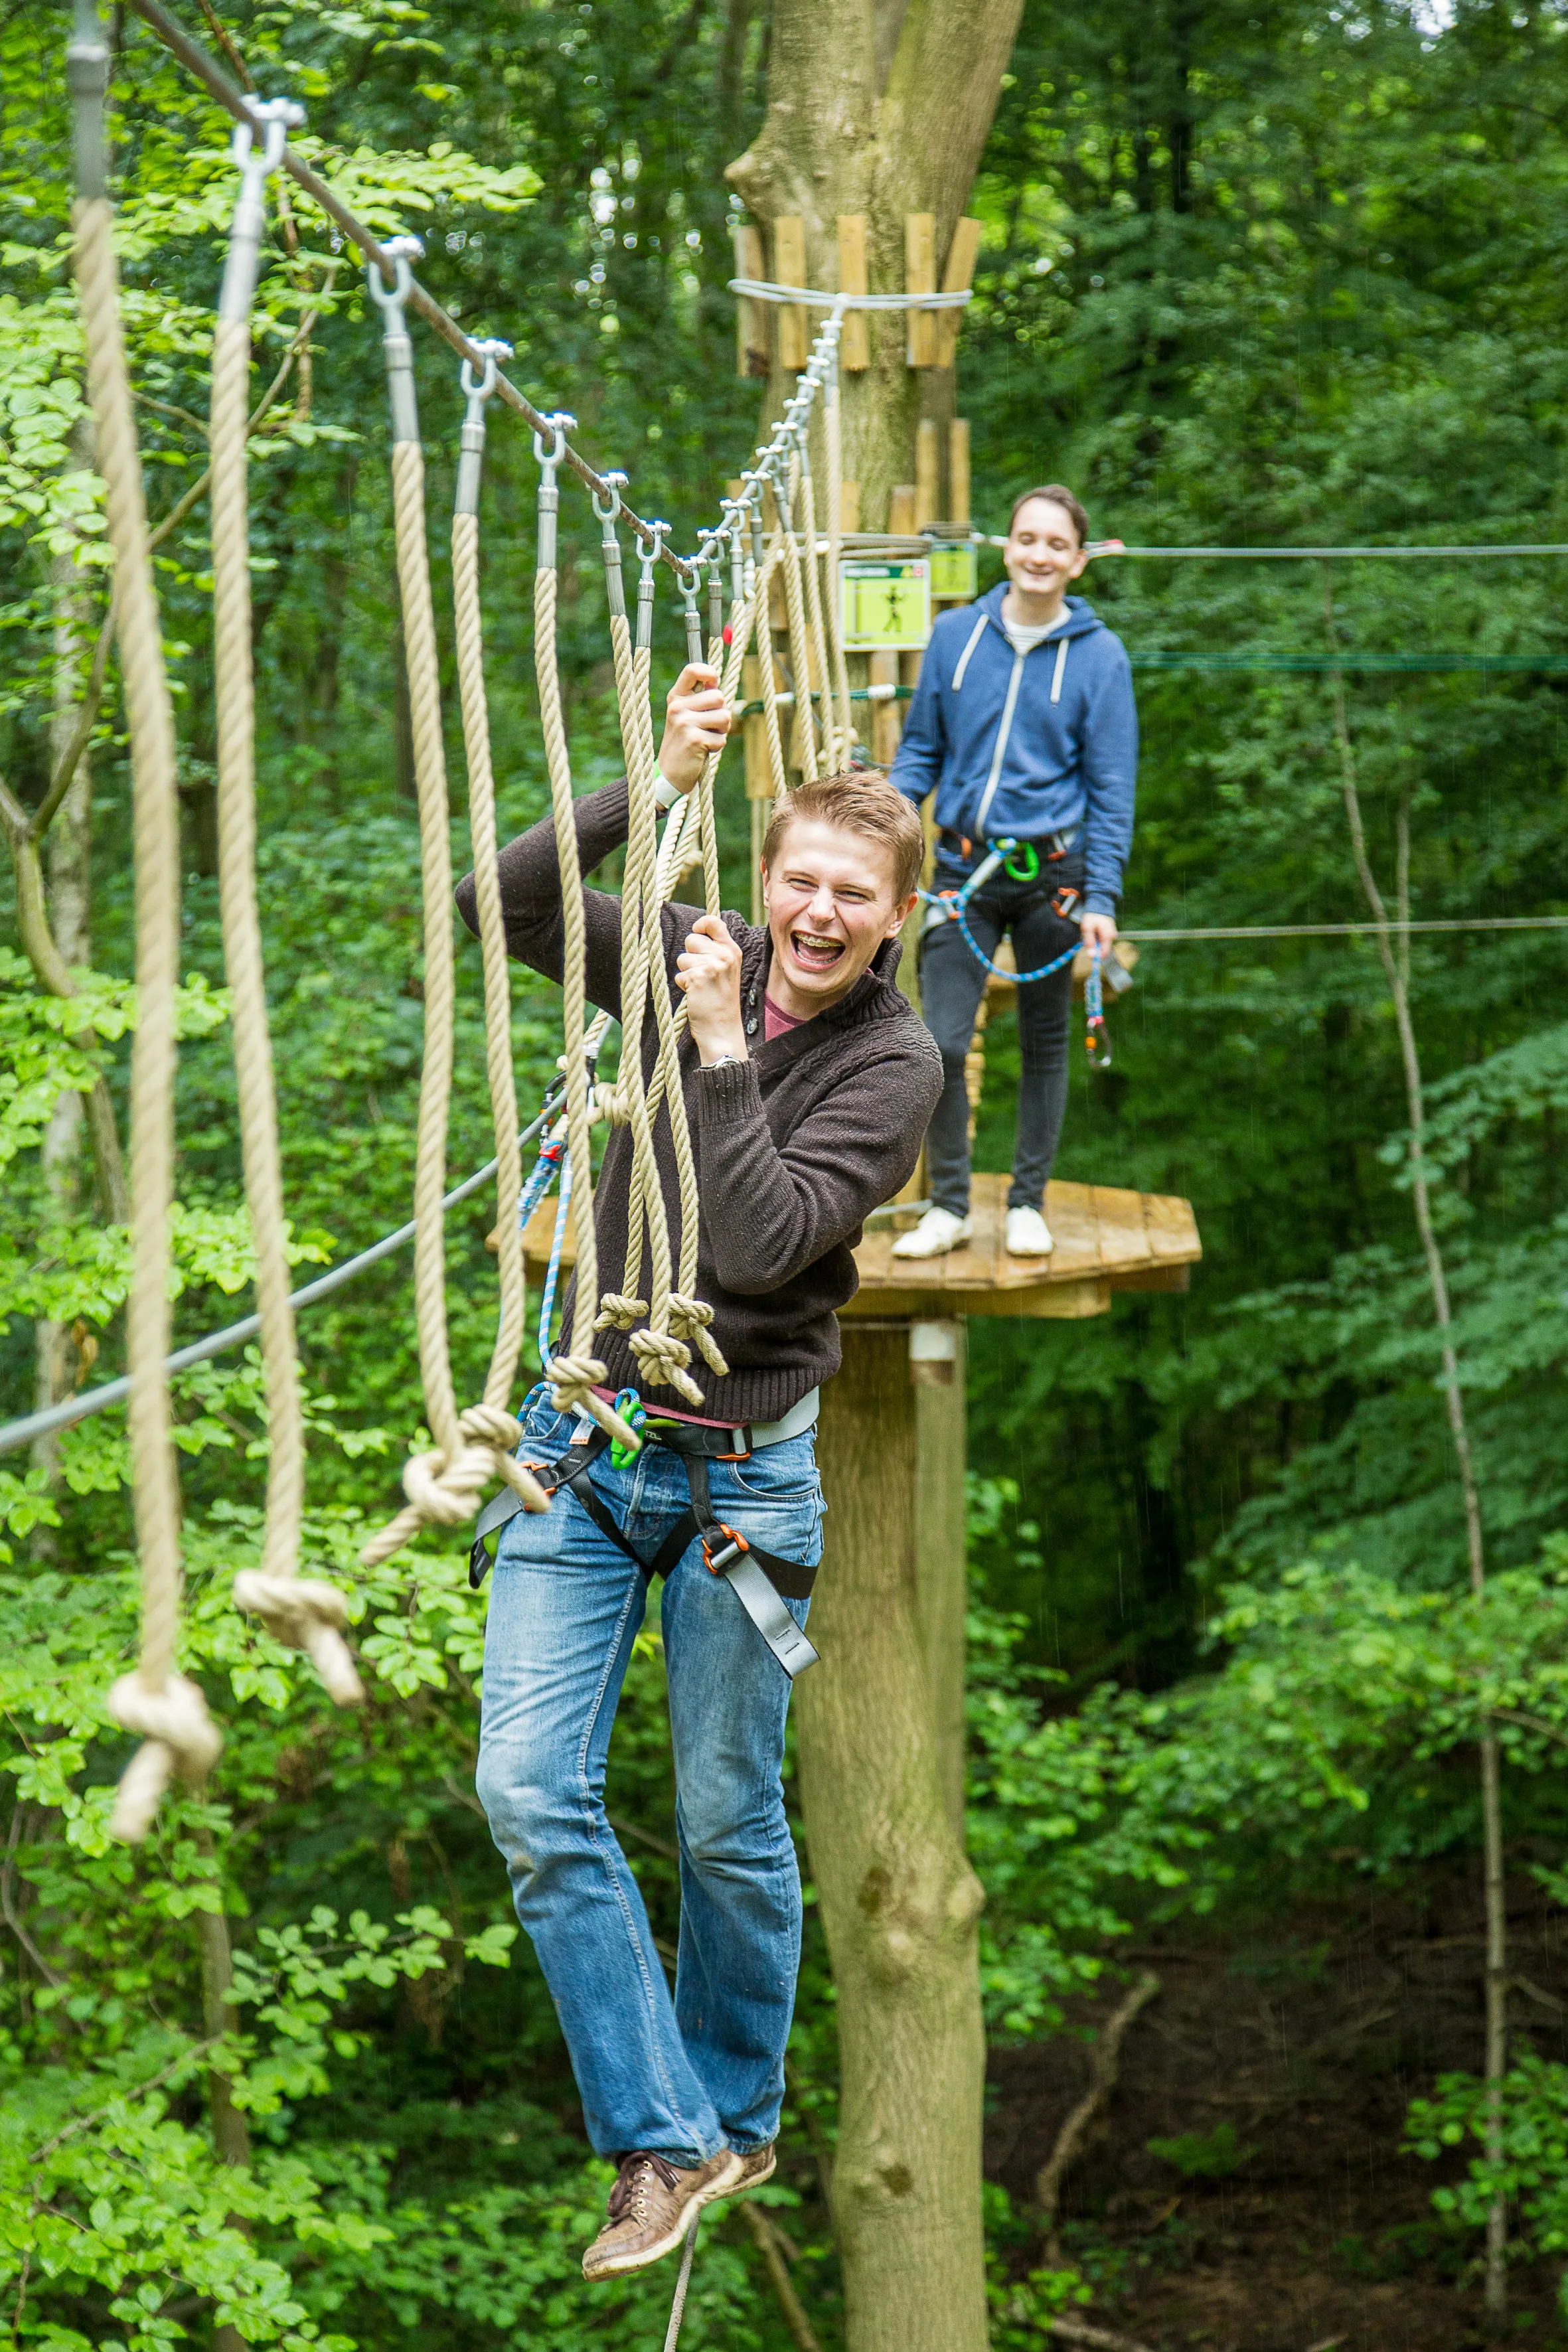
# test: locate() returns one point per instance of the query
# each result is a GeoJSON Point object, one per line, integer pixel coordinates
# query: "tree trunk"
{"type": "Point", "coordinates": [899, 1901]}
{"type": "Point", "coordinates": [231, 2133]}
{"type": "Point", "coordinates": [941, 1565]}
{"type": "Point", "coordinates": [879, 107]}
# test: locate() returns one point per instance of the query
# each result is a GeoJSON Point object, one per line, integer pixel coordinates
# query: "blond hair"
{"type": "Point", "coordinates": [861, 801]}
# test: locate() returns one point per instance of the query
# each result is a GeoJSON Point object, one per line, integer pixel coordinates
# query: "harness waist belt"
{"type": "Point", "coordinates": [758, 1578]}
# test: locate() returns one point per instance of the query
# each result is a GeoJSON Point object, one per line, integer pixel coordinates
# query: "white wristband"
{"type": "Point", "coordinates": [666, 795]}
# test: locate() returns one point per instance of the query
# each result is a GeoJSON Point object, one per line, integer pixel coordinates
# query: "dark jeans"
{"type": "Point", "coordinates": [953, 981]}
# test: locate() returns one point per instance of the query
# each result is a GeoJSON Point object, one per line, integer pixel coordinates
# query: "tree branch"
{"type": "Point", "coordinates": [54, 975]}
{"type": "Point", "coordinates": [1078, 2331]}
{"type": "Point", "coordinates": [1102, 2082]}
{"type": "Point", "coordinates": [767, 2239]}
{"type": "Point", "coordinates": [8, 1906]}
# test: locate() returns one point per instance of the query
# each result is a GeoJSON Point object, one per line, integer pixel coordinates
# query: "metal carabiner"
{"type": "Point", "coordinates": [648, 557]}
{"type": "Point", "coordinates": [549, 495]}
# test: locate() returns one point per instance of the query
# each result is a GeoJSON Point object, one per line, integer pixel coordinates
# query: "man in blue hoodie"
{"type": "Point", "coordinates": [1024, 724]}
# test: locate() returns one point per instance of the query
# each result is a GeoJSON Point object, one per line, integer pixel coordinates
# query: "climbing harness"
{"type": "Point", "coordinates": [952, 906]}
{"type": "Point", "coordinates": [759, 1577]}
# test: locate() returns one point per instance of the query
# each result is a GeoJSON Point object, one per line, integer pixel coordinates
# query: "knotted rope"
{"type": "Point", "coordinates": [443, 1485]}
{"type": "Point", "coordinates": [575, 1372]}
{"type": "Point", "coordinates": [497, 1421]}
{"type": "Point", "coordinates": [169, 1713]}
{"type": "Point", "coordinates": [305, 1614]}
{"type": "Point", "coordinates": [833, 438]}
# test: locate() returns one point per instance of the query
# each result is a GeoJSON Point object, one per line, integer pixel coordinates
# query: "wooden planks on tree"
{"type": "Point", "coordinates": [854, 344]}
{"type": "Point", "coordinates": [789, 269]}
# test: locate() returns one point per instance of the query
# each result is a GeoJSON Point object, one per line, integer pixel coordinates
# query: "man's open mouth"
{"type": "Point", "coordinates": [813, 952]}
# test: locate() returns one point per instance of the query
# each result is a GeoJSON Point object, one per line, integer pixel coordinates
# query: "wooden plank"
{"type": "Point", "coordinates": [789, 269]}
{"type": "Point", "coordinates": [1069, 1213]}
{"type": "Point", "coordinates": [1067, 1301]}
{"type": "Point", "coordinates": [849, 506]}
{"type": "Point", "coordinates": [927, 489]}
{"type": "Point", "coordinates": [1153, 1277]}
{"type": "Point", "coordinates": [958, 471]}
{"type": "Point", "coordinates": [855, 342]}
{"type": "Point", "coordinates": [1123, 1239]}
{"type": "Point", "coordinates": [920, 278]}
{"type": "Point", "coordinates": [887, 718]}
{"type": "Point", "coordinates": [956, 277]}
{"type": "Point", "coordinates": [751, 316]}
{"type": "Point", "coordinates": [1172, 1229]}
{"type": "Point", "coordinates": [901, 510]}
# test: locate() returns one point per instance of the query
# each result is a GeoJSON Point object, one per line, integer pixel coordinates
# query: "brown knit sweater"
{"type": "Point", "coordinates": [793, 1148]}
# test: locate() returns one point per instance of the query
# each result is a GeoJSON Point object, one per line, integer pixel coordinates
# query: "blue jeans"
{"type": "Point", "coordinates": [680, 2077]}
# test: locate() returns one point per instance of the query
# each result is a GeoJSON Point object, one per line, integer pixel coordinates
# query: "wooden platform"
{"type": "Point", "coordinates": [1106, 1240]}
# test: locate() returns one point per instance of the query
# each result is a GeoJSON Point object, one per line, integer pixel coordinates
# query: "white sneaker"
{"type": "Point", "coordinates": [1028, 1235]}
{"type": "Point", "coordinates": [938, 1232]}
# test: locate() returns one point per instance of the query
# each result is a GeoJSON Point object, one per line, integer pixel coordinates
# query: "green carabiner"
{"type": "Point", "coordinates": [1027, 870]}
{"type": "Point", "coordinates": [630, 1407]}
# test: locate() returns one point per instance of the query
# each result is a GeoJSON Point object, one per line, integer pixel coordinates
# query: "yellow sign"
{"type": "Point", "coordinates": [954, 572]}
{"type": "Point", "coordinates": [886, 603]}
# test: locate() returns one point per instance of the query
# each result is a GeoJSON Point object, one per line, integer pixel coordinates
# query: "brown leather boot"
{"type": "Point", "coordinates": [652, 2206]}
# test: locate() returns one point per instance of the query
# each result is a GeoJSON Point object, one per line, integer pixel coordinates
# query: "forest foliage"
{"type": "Point", "coordinates": [1292, 276]}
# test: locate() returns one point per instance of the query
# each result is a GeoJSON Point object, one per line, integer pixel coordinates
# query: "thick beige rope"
{"type": "Point", "coordinates": [169, 1711]}
{"type": "Point", "coordinates": [502, 1078]}
{"type": "Point", "coordinates": [623, 1310]}
{"type": "Point", "coordinates": [445, 1484]}
{"type": "Point", "coordinates": [305, 1614]}
{"type": "Point", "coordinates": [831, 759]}
{"type": "Point", "coordinates": [799, 658]}
{"type": "Point", "coordinates": [685, 1316]}
{"type": "Point", "coordinates": [577, 1371]}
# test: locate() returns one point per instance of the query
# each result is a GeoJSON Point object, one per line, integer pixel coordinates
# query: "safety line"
{"type": "Point", "coordinates": [71, 1409]}
{"type": "Point", "coordinates": [1517, 665]}
{"type": "Point", "coordinates": [762, 290]}
{"type": "Point", "coordinates": [1355, 930]}
{"type": "Point", "coordinates": [1104, 547]}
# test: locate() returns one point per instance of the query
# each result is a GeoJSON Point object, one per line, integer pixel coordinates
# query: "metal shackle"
{"type": "Point", "coordinates": [396, 348]}
{"type": "Point", "coordinates": [647, 557]}
{"type": "Point", "coordinates": [274, 118]}
{"type": "Point", "coordinates": [471, 443]}
{"type": "Point", "coordinates": [561, 424]}
{"type": "Point", "coordinates": [608, 511]}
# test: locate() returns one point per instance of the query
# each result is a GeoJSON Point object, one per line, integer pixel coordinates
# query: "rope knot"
{"type": "Point", "coordinates": [690, 1319]}
{"type": "Point", "coordinates": [178, 1735]}
{"type": "Point", "coordinates": [444, 1490]}
{"type": "Point", "coordinates": [304, 1615]}
{"type": "Point", "coordinates": [611, 1103]}
{"type": "Point", "coordinates": [574, 1380]}
{"type": "Point", "coordinates": [662, 1360]}
{"type": "Point", "coordinates": [618, 1313]}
